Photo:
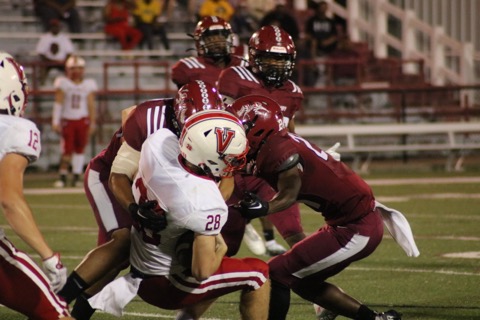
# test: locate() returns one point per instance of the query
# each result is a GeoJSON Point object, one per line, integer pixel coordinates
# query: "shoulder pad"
{"type": "Point", "coordinates": [289, 163]}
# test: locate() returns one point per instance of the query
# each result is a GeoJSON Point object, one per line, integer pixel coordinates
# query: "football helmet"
{"type": "Point", "coordinates": [213, 38]}
{"type": "Point", "coordinates": [194, 97]}
{"type": "Point", "coordinates": [271, 53]}
{"type": "Point", "coordinates": [260, 116]}
{"type": "Point", "coordinates": [75, 68]}
{"type": "Point", "coordinates": [215, 141]}
{"type": "Point", "coordinates": [13, 86]}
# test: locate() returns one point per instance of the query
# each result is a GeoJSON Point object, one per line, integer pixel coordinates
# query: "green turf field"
{"type": "Point", "coordinates": [444, 214]}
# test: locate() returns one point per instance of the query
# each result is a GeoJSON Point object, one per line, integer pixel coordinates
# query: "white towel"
{"type": "Point", "coordinates": [399, 228]}
{"type": "Point", "coordinates": [116, 295]}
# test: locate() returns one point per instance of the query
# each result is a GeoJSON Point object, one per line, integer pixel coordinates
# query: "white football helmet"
{"type": "Point", "coordinates": [75, 68]}
{"type": "Point", "coordinates": [75, 61]}
{"type": "Point", "coordinates": [13, 86]}
{"type": "Point", "coordinates": [215, 141]}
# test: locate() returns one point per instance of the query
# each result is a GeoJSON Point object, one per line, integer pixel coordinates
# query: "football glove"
{"type": "Point", "coordinates": [332, 151]}
{"type": "Point", "coordinates": [149, 215]}
{"type": "Point", "coordinates": [55, 271]}
{"type": "Point", "coordinates": [252, 206]}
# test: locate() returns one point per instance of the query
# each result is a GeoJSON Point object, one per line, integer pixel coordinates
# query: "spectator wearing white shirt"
{"type": "Point", "coordinates": [53, 49]}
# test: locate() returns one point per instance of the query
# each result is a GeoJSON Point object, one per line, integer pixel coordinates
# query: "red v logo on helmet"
{"type": "Point", "coordinates": [224, 138]}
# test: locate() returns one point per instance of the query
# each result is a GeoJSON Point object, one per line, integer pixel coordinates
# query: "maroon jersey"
{"type": "Point", "coordinates": [328, 186]}
{"type": "Point", "coordinates": [236, 82]}
{"type": "Point", "coordinates": [200, 68]}
{"type": "Point", "coordinates": [145, 119]}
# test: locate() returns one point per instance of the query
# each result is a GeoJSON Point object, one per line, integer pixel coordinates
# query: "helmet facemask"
{"type": "Point", "coordinates": [216, 44]}
{"type": "Point", "coordinates": [273, 68]}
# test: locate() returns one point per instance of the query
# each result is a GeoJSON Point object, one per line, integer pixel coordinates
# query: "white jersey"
{"type": "Point", "coordinates": [191, 202]}
{"type": "Point", "coordinates": [75, 105]}
{"type": "Point", "coordinates": [20, 136]}
{"type": "Point", "coordinates": [62, 42]}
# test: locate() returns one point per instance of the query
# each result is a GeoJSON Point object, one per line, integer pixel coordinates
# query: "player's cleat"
{"type": "Point", "coordinates": [389, 315]}
{"type": "Point", "coordinates": [253, 240]}
{"type": "Point", "coordinates": [274, 248]}
{"type": "Point", "coordinates": [78, 184]}
{"type": "Point", "coordinates": [59, 184]}
{"type": "Point", "coordinates": [323, 314]}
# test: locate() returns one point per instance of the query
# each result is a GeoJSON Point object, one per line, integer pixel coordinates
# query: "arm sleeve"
{"type": "Point", "coordinates": [126, 161]}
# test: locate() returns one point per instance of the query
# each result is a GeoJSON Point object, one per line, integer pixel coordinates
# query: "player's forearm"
{"type": "Point", "coordinates": [288, 186]}
{"type": "Point", "coordinates": [208, 252]}
{"type": "Point", "coordinates": [121, 187]}
{"type": "Point", "coordinates": [92, 111]}
{"type": "Point", "coordinates": [281, 202]}
{"type": "Point", "coordinates": [21, 220]}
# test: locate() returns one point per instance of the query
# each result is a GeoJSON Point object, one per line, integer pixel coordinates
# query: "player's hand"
{"type": "Point", "coordinates": [56, 128]}
{"type": "Point", "coordinates": [55, 271]}
{"type": "Point", "coordinates": [332, 151]}
{"type": "Point", "coordinates": [252, 206]}
{"type": "Point", "coordinates": [149, 215]}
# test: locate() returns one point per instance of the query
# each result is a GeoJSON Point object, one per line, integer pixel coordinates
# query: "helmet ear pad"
{"type": "Point", "coordinates": [13, 86]}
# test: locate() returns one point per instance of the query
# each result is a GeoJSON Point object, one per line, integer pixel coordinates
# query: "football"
{"type": "Point", "coordinates": [183, 249]}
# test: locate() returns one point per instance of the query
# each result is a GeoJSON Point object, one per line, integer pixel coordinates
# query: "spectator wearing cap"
{"type": "Point", "coordinates": [53, 49]}
{"type": "Point", "coordinates": [64, 10]}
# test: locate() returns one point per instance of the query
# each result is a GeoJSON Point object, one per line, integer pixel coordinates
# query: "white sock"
{"type": "Point", "coordinates": [78, 160]}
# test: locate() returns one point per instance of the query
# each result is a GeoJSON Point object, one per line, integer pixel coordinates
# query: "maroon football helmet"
{"type": "Point", "coordinates": [213, 38]}
{"type": "Point", "coordinates": [194, 97]}
{"type": "Point", "coordinates": [271, 54]}
{"type": "Point", "coordinates": [260, 116]}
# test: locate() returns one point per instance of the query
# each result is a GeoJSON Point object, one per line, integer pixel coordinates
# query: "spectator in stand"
{"type": "Point", "coordinates": [219, 8]}
{"type": "Point", "coordinates": [321, 31]}
{"type": "Point", "coordinates": [345, 67]}
{"type": "Point", "coordinates": [74, 118]}
{"type": "Point", "coordinates": [243, 23]}
{"type": "Point", "coordinates": [345, 72]}
{"type": "Point", "coordinates": [281, 17]}
{"type": "Point", "coordinates": [64, 10]}
{"type": "Point", "coordinates": [147, 19]}
{"type": "Point", "coordinates": [23, 286]}
{"type": "Point", "coordinates": [116, 15]}
{"type": "Point", "coordinates": [53, 48]}
{"type": "Point", "coordinates": [259, 8]}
